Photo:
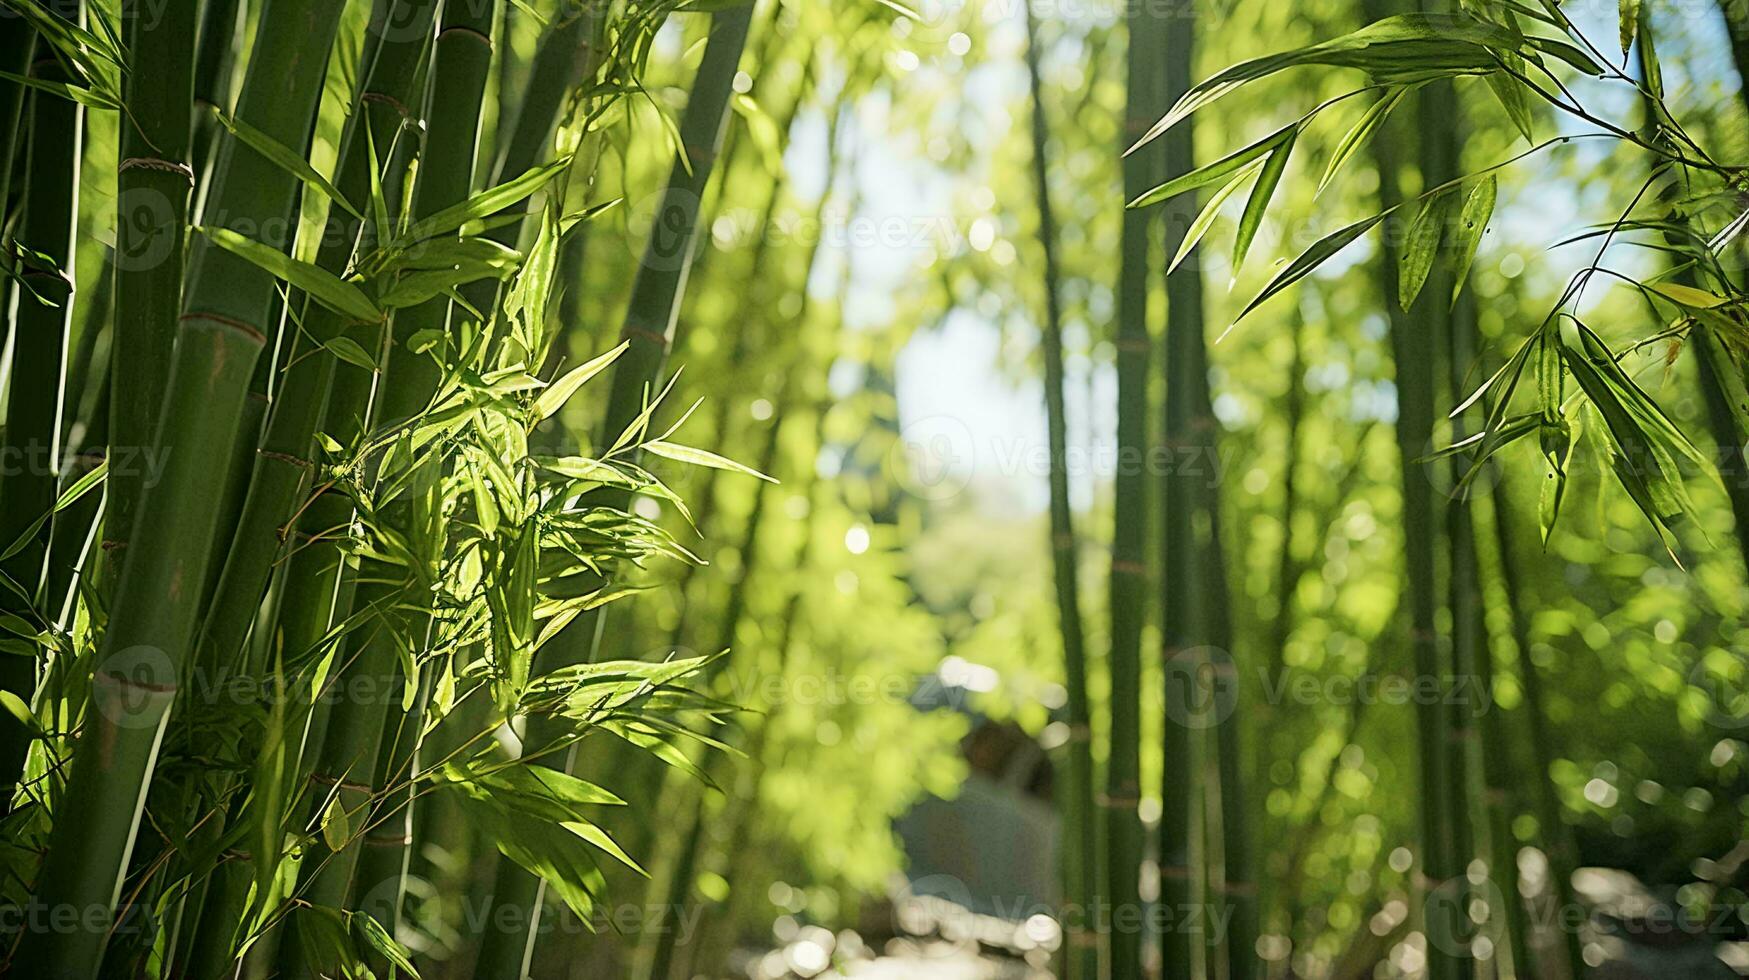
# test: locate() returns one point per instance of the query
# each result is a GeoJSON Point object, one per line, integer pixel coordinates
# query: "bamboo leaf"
{"type": "Point", "coordinates": [561, 390]}
{"type": "Point", "coordinates": [1472, 222]}
{"type": "Point", "coordinates": [1422, 246]}
{"type": "Point", "coordinates": [1228, 165]}
{"type": "Point", "coordinates": [285, 159]}
{"type": "Point", "coordinates": [371, 933]}
{"type": "Point", "coordinates": [326, 288]}
{"type": "Point", "coordinates": [82, 486]}
{"type": "Point", "coordinates": [350, 351]}
{"type": "Point", "coordinates": [1513, 94]}
{"type": "Point", "coordinates": [336, 828]}
{"type": "Point", "coordinates": [1369, 124]}
{"type": "Point", "coordinates": [1688, 296]}
{"type": "Point", "coordinates": [1313, 257]}
{"type": "Point", "coordinates": [1267, 180]}
{"type": "Point", "coordinates": [595, 835]}
{"type": "Point", "coordinates": [1407, 47]}
{"type": "Point", "coordinates": [1210, 211]}
{"type": "Point", "coordinates": [487, 202]}
{"type": "Point", "coordinates": [700, 457]}
{"type": "Point", "coordinates": [1630, 22]}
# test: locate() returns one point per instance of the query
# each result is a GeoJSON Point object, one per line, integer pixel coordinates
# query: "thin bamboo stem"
{"type": "Point", "coordinates": [1080, 845]}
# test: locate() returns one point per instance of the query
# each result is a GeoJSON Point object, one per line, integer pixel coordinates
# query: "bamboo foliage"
{"type": "Point", "coordinates": [647, 334]}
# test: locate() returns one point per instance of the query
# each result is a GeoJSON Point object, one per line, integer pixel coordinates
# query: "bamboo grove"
{"type": "Point", "coordinates": [519, 489]}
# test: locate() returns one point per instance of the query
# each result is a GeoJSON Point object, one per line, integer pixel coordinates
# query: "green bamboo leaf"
{"type": "Point", "coordinates": [1630, 22]}
{"type": "Point", "coordinates": [285, 159]}
{"type": "Point", "coordinates": [1513, 94]}
{"type": "Point", "coordinates": [595, 835]}
{"type": "Point", "coordinates": [1422, 246]}
{"type": "Point", "coordinates": [900, 9]}
{"type": "Point", "coordinates": [561, 390]}
{"type": "Point", "coordinates": [1267, 180]}
{"type": "Point", "coordinates": [373, 936]}
{"type": "Point", "coordinates": [1311, 258]}
{"type": "Point", "coordinates": [85, 96]}
{"type": "Point", "coordinates": [22, 713]}
{"type": "Point", "coordinates": [1466, 235]}
{"type": "Point", "coordinates": [1222, 168]}
{"type": "Point", "coordinates": [1689, 296]}
{"type": "Point", "coordinates": [487, 202]}
{"type": "Point", "coordinates": [326, 288]}
{"type": "Point", "coordinates": [1210, 211]}
{"type": "Point", "coordinates": [1407, 47]}
{"type": "Point", "coordinates": [1567, 53]}
{"type": "Point", "coordinates": [336, 828]}
{"type": "Point", "coordinates": [82, 486]}
{"type": "Point", "coordinates": [1369, 124]}
{"type": "Point", "coordinates": [350, 351]}
{"type": "Point", "coordinates": [700, 457]}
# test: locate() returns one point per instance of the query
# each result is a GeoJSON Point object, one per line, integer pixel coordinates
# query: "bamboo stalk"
{"type": "Point", "coordinates": [1557, 836]}
{"type": "Point", "coordinates": [1436, 316]}
{"type": "Point", "coordinates": [35, 392]}
{"type": "Point", "coordinates": [153, 183]}
{"type": "Point", "coordinates": [649, 330]}
{"type": "Point", "coordinates": [1129, 570]}
{"type": "Point", "coordinates": [398, 596]}
{"type": "Point", "coordinates": [1080, 845]}
{"type": "Point", "coordinates": [281, 466]}
{"type": "Point", "coordinates": [153, 616]}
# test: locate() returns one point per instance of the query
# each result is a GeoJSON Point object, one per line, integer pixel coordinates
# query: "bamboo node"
{"type": "Point", "coordinates": [467, 31]}
{"type": "Point", "coordinates": [1121, 801]}
{"type": "Point", "coordinates": [1238, 889]}
{"type": "Point", "coordinates": [325, 779]}
{"type": "Point", "coordinates": [132, 684]}
{"type": "Point", "coordinates": [1177, 872]}
{"type": "Point", "coordinates": [388, 100]}
{"type": "Point", "coordinates": [1133, 345]}
{"type": "Point", "coordinates": [235, 324]}
{"type": "Point", "coordinates": [398, 840]}
{"type": "Point", "coordinates": [296, 461]}
{"type": "Point", "coordinates": [1125, 566]}
{"type": "Point", "coordinates": [631, 332]}
{"type": "Point", "coordinates": [182, 170]}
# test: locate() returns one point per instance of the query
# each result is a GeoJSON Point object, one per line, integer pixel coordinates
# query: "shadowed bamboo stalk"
{"type": "Point", "coordinates": [1080, 845]}
{"type": "Point", "coordinates": [152, 190]}
{"type": "Point", "coordinates": [34, 397]}
{"type": "Point", "coordinates": [16, 51]}
{"type": "Point", "coordinates": [152, 619]}
{"type": "Point", "coordinates": [648, 330]}
{"type": "Point", "coordinates": [397, 596]}
{"type": "Point", "coordinates": [1129, 570]}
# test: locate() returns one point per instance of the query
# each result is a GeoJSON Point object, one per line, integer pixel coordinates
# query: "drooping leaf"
{"type": "Point", "coordinates": [1210, 211]}
{"type": "Point", "coordinates": [323, 286]}
{"type": "Point", "coordinates": [1466, 234]}
{"type": "Point", "coordinates": [1267, 180]}
{"type": "Point", "coordinates": [1513, 94]}
{"type": "Point", "coordinates": [1355, 138]}
{"type": "Point", "coordinates": [1421, 246]}
{"type": "Point", "coordinates": [1311, 258]}
{"type": "Point", "coordinates": [1228, 165]}
{"type": "Point", "coordinates": [285, 159]}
